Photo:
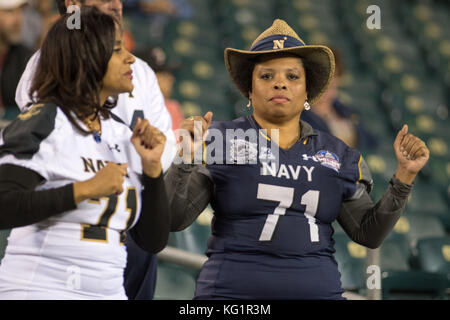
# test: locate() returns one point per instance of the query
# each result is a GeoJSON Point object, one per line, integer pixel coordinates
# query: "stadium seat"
{"type": "Point", "coordinates": [427, 201]}
{"type": "Point", "coordinates": [400, 282]}
{"type": "Point", "coordinates": [174, 282]}
{"type": "Point", "coordinates": [434, 254]}
{"type": "Point", "coordinates": [393, 255]}
{"type": "Point", "coordinates": [195, 237]}
{"type": "Point", "coordinates": [423, 226]}
{"type": "Point", "coordinates": [411, 285]}
{"type": "Point", "coordinates": [350, 258]}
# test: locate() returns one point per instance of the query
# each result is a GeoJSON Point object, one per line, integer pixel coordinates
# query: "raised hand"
{"type": "Point", "coordinates": [192, 133]}
{"type": "Point", "coordinates": [149, 143]}
{"type": "Point", "coordinates": [412, 155]}
{"type": "Point", "coordinates": [107, 181]}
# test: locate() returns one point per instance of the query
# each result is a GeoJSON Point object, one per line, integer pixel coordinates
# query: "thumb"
{"type": "Point", "coordinates": [124, 166]}
{"type": "Point", "coordinates": [208, 117]}
{"type": "Point", "coordinates": [401, 134]}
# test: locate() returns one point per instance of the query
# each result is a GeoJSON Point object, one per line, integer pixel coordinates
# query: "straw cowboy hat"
{"type": "Point", "coordinates": [318, 60]}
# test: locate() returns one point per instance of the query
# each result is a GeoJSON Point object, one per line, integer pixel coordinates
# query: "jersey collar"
{"type": "Point", "coordinates": [306, 130]}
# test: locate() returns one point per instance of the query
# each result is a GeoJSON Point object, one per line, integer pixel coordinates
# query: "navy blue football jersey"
{"type": "Point", "coordinates": [273, 209]}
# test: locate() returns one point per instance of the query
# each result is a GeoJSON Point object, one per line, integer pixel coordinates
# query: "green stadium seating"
{"type": "Point", "coordinates": [174, 282]}
{"type": "Point", "coordinates": [418, 226]}
{"type": "Point", "coordinates": [350, 258]}
{"type": "Point", "coordinates": [393, 256]}
{"type": "Point", "coordinates": [434, 254]}
{"type": "Point", "coordinates": [412, 285]}
{"type": "Point", "coordinates": [398, 281]}
{"type": "Point", "coordinates": [4, 234]}
{"type": "Point", "coordinates": [428, 202]}
{"type": "Point", "coordinates": [193, 239]}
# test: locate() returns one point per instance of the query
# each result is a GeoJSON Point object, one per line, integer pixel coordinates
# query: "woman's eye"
{"type": "Point", "coordinates": [266, 76]}
{"type": "Point", "coordinates": [293, 76]}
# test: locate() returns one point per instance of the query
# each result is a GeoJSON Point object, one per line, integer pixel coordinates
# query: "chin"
{"type": "Point", "coordinates": [127, 89]}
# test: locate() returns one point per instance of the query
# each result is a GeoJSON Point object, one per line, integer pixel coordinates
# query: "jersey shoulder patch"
{"type": "Point", "coordinates": [24, 135]}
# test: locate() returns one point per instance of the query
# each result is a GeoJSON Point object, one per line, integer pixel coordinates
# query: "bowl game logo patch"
{"type": "Point", "coordinates": [328, 159]}
{"type": "Point", "coordinates": [243, 152]}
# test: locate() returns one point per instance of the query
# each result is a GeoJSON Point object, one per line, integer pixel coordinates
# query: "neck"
{"type": "Point", "coordinates": [289, 131]}
{"type": "Point", "coordinates": [103, 97]}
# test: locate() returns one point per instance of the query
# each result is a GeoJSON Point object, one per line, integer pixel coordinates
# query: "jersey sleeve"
{"type": "Point", "coordinates": [357, 176]}
{"type": "Point", "coordinates": [28, 140]}
{"type": "Point", "coordinates": [157, 114]}
{"type": "Point", "coordinates": [24, 85]}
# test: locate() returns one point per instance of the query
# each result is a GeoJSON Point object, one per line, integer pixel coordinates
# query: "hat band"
{"type": "Point", "coordinates": [276, 42]}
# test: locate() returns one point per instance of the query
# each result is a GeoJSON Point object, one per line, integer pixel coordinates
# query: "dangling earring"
{"type": "Point", "coordinates": [249, 104]}
{"type": "Point", "coordinates": [307, 105]}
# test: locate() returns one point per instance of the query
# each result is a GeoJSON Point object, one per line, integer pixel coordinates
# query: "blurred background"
{"type": "Point", "coordinates": [386, 77]}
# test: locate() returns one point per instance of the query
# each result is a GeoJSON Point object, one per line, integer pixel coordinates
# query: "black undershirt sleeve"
{"type": "Point", "coordinates": [369, 224]}
{"type": "Point", "coordinates": [151, 232]}
{"type": "Point", "coordinates": [189, 188]}
{"type": "Point", "coordinates": [21, 205]}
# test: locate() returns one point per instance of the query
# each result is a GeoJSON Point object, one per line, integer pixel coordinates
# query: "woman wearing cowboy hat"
{"type": "Point", "coordinates": [271, 231]}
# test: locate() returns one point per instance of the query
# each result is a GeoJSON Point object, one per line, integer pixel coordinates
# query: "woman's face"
{"type": "Point", "coordinates": [278, 88]}
{"type": "Point", "coordinates": [118, 77]}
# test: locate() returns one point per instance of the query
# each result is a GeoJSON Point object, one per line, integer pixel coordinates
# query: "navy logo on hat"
{"type": "Point", "coordinates": [279, 44]}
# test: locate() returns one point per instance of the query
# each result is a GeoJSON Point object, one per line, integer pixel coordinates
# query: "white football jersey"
{"type": "Point", "coordinates": [146, 102]}
{"type": "Point", "coordinates": [78, 254]}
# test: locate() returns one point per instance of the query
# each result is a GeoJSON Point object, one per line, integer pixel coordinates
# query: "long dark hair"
{"type": "Point", "coordinates": [73, 63]}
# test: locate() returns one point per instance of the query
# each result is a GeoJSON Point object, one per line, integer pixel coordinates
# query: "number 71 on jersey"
{"type": "Point", "coordinates": [285, 197]}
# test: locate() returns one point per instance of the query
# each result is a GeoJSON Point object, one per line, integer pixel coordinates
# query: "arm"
{"type": "Point", "coordinates": [189, 188]}
{"type": "Point", "coordinates": [369, 224]}
{"type": "Point", "coordinates": [152, 230]}
{"type": "Point", "coordinates": [22, 205]}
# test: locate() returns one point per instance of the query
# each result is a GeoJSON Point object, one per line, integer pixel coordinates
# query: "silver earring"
{"type": "Point", "coordinates": [307, 105]}
{"type": "Point", "coordinates": [249, 104]}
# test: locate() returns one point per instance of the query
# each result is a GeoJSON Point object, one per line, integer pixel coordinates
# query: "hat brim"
{"type": "Point", "coordinates": [318, 59]}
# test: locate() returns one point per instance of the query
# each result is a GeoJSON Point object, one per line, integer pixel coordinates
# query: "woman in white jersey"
{"type": "Point", "coordinates": [71, 183]}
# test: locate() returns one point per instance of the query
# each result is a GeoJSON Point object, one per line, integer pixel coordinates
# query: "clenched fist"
{"type": "Point", "coordinates": [192, 133]}
{"type": "Point", "coordinates": [412, 155]}
{"type": "Point", "coordinates": [107, 181]}
{"type": "Point", "coordinates": [149, 143]}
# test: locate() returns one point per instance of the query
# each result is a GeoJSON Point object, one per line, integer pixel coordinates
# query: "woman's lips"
{"type": "Point", "coordinates": [129, 75]}
{"type": "Point", "coordinates": [279, 99]}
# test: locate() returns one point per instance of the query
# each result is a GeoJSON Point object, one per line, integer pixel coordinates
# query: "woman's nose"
{"type": "Point", "coordinates": [279, 86]}
{"type": "Point", "coordinates": [131, 59]}
{"type": "Point", "coordinates": [279, 83]}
